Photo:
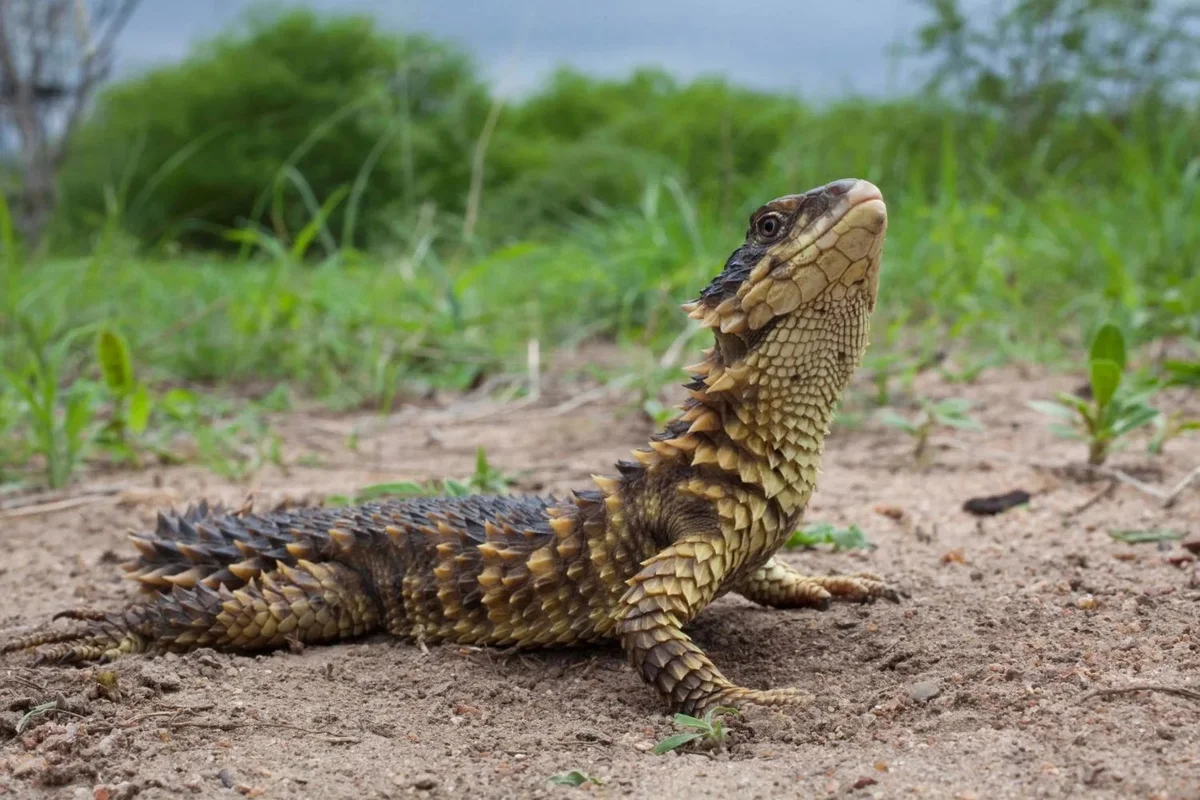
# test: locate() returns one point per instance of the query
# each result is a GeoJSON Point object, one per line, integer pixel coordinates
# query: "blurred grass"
{"type": "Point", "coordinates": [589, 210]}
{"type": "Point", "coordinates": [1022, 275]}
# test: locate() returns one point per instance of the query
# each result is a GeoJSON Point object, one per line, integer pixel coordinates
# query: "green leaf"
{"type": "Point", "coordinates": [894, 420]}
{"type": "Point", "coordinates": [1106, 377]}
{"type": "Point", "coordinates": [1141, 536]}
{"type": "Point", "coordinates": [1082, 406]}
{"type": "Point", "coordinates": [1182, 373]}
{"type": "Point", "coordinates": [79, 413]}
{"type": "Point", "coordinates": [139, 410]}
{"type": "Point", "coordinates": [1062, 431]}
{"type": "Point", "coordinates": [1054, 409]}
{"type": "Point", "coordinates": [689, 721]}
{"type": "Point", "coordinates": [952, 406]}
{"type": "Point", "coordinates": [573, 778]}
{"type": "Point", "coordinates": [671, 742]}
{"type": "Point", "coordinates": [36, 711]}
{"type": "Point", "coordinates": [317, 224]}
{"type": "Point", "coordinates": [112, 353]}
{"type": "Point", "coordinates": [1108, 345]}
{"type": "Point", "coordinates": [1131, 419]}
{"type": "Point", "coordinates": [851, 538]}
{"type": "Point", "coordinates": [961, 423]}
{"type": "Point", "coordinates": [396, 488]}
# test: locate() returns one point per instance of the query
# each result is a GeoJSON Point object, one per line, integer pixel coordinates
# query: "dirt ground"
{"type": "Point", "coordinates": [978, 686]}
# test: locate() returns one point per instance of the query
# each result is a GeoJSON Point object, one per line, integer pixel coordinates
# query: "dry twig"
{"type": "Point", "coordinates": [1179, 691]}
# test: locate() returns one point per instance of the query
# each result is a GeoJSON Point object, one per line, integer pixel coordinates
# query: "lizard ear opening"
{"type": "Point", "coordinates": [730, 347]}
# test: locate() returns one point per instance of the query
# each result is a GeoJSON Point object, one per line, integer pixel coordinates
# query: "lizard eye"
{"type": "Point", "coordinates": [769, 226]}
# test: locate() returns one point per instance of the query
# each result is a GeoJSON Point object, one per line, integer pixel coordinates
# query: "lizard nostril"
{"type": "Point", "coordinates": [839, 188]}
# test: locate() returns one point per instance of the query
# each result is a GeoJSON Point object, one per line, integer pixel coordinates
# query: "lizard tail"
{"type": "Point", "coordinates": [210, 547]}
{"type": "Point", "coordinates": [308, 603]}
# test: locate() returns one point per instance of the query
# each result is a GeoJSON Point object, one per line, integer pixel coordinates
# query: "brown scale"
{"type": "Point", "coordinates": [698, 513]}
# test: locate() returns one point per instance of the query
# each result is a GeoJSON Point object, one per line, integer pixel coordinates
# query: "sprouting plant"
{"type": "Point", "coordinates": [485, 480]}
{"type": "Point", "coordinates": [574, 778]}
{"type": "Point", "coordinates": [60, 416]}
{"type": "Point", "coordinates": [131, 399]}
{"type": "Point", "coordinates": [953, 412]}
{"type": "Point", "coordinates": [1110, 413]}
{"type": "Point", "coordinates": [1182, 373]}
{"type": "Point", "coordinates": [658, 413]}
{"type": "Point", "coordinates": [1167, 427]}
{"type": "Point", "coordinates": [710, 728]}
{"type": "Point", "coordinates": [233, 446]}
{"type": "Point", "coordinates": [882, 367]}
{"type": "Point", "coordinates": [818, 533]}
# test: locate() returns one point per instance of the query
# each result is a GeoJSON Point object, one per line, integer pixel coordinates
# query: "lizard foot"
{"type": "Point", "coordinates": [858, 587]}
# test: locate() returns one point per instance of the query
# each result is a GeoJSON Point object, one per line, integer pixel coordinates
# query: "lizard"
{"type": "Point", "coordinates": [698, 512]}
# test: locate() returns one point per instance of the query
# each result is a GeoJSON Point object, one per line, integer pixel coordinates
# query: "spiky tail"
{"type": "Point", "coordinates": [307, 603]}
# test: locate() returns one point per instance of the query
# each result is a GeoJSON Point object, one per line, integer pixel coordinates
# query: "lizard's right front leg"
{"type": "Point", "coordinates": [672, 587]}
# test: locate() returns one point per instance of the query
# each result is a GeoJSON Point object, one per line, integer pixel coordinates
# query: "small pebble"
{"type": "Point", "coordinates": [1087, 603]}
{"type": "Point", "coordinates": [924, 690]}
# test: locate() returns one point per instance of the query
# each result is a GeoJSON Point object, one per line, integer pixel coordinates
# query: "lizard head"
{"type": "Point", "coordinates": [809, 261]}
{"type": "Point", "coordinates": [790, 313]}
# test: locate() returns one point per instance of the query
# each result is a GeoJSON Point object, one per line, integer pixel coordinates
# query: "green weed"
{"type": "Point", "coordinates": [574, 778]}
{"type": "Point", "coordinates": [58, 415]}
{"type": "Point", "coordinates": [826, 533]}
{"type": "Point", "coordinates": [1143, 536]}
{"type": "Point", "coordinates": [709, 729]}
{"type": "Point", "coordinates": [951, 412]}
{"type": "Point", "coordinates": [486, 479]}
{"type": "Point", "coordinates": [131, 399]}
{"type": "Point", "coordinates": [1110, 414]}
{"type": "Point", "coordinates": [1182, 373]}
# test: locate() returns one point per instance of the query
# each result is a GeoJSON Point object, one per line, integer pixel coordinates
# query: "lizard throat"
{"type": "Point", "coordinates": [759, 411]}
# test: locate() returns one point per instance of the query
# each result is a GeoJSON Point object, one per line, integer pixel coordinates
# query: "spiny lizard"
{"type": "Point", "coordinates": [697, 513]}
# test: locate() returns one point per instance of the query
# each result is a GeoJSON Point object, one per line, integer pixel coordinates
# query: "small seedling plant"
{"type": "Point", "coordinates": [709, 729]}
{"type": "Point", "coordinates": [130, 398]}
{"type": "Point", "coordinates": [826, 533]}
{"type": "Point", "coordinates": [575, 778]}
{"type": "Point", "coordinates": [953, 412]}
{"type": "Point", "coordinates": [485, 480]}
{"type": "Point", "coordinates": [1110, 413]}
{"type": "Point", "coordinates": [1169, 426]}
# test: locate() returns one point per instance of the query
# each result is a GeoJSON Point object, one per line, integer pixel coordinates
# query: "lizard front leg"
{"type": "Point", "coordinates": [672, 587]}
{"type": "Point", "coordinates": [778, 585]}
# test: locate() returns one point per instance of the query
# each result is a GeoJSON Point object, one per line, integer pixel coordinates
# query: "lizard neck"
{"type": "Point", "coordinates": [751, 434]}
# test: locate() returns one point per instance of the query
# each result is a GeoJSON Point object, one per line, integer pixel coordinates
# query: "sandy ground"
{"type": "Point", "coordinates": [979, 686]}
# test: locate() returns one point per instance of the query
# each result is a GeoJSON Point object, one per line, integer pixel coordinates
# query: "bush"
{"type": "Point", "coordinates": [187, 150]}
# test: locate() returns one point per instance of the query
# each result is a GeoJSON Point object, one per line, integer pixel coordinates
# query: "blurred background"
{"type": "Point", "coordinates": [219, 209]}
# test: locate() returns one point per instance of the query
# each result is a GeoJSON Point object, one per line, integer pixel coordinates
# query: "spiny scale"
{"type": "Point", "coordinates": [699, 511]}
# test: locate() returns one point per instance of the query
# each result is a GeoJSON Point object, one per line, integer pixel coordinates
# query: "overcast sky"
{"type": "Point", "coordinates": [818, 48]}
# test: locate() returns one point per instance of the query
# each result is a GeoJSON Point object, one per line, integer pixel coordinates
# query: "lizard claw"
{"type": "Point", "coordinates": [861, 587]}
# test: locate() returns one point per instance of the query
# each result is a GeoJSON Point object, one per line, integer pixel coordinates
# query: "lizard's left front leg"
{"type": "Point", "coordinates": [672, 587]}
{"type": "Point", "coordinates": [778, 585]}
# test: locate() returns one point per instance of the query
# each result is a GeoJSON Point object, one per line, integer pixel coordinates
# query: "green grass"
{"type": "Point", "coordinates": [998, 262]}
